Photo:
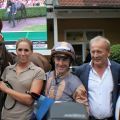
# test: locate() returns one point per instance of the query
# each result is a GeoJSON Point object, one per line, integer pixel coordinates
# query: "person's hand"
{"type": "Point", "coordinates": [81, 95]}
{"type": "Point", "coordinates": [3, 86]}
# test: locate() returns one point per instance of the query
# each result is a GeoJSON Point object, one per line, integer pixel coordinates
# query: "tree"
{"type": "Point", "coordinates": [115, 53]}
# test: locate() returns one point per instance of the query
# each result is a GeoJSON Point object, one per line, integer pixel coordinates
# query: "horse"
{"type": "Point", "coordinates": [21, 9]}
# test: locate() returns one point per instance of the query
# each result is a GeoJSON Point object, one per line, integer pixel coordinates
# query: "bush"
{"type": "Point", "coordinates": [36, 11]}
{"type": "Point", "coordinates": [115, 53]}
{"type": "Point", "coordinates": [31, 12]}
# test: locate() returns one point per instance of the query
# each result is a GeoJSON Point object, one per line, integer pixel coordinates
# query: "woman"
{"type": "Point", "coordinates": [25, 81]}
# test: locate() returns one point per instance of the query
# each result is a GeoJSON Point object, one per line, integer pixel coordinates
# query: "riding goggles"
{"type": "Point", "coordinates": [63, 58]}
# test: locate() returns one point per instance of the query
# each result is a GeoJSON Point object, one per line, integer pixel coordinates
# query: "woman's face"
{"type": "Point", "coordinates": [23, 52]}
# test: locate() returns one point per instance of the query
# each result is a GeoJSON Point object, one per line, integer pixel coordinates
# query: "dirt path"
{"type": "Point", "coordinates": [22, 23]}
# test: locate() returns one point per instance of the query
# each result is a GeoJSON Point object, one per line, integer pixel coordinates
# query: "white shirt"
{"type": "Point", "coordinates": [100, 93]}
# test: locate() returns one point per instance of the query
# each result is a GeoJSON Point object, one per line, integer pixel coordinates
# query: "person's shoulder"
{"type": "Point", "coordinates": [10, 66]}
{"type": "Point", "coordinates": [82, 66]}
{"type": "Point", "coordinates": [35, 67]}
{"type": "Point", "coordinates": [72, 74]}
{"type": "Point", "coordinates": [74, 77]}
{"type": "Point", "coordinates": [115, 63]}
{"type": "Point", "coordinates": [74, 80]}
{"type": "Point", "coordinates": [49, 72]}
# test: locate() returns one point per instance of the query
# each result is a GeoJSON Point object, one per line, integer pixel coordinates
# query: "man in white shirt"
{"type": "Point", "coordinates": [100, 77]}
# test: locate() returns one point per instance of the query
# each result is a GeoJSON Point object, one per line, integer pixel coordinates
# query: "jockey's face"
{"type": "Point", "coordinates": [23, 52]}
{"type": "Point", "coordinates": [62, 63]}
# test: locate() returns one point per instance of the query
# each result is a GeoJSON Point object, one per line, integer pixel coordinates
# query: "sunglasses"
{"type": "Point", "coordinates": [25, 50]}
{"type": "Point", "coordinates": [63, 58]}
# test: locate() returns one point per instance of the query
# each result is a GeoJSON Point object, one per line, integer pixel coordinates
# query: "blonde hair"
{"type": "Point", "coordinates": [101, 38]}
{"type": "Point", "coordinates": [25, 40]}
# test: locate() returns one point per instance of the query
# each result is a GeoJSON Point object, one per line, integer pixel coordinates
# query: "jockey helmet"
{"type": "Point", "coordinates": [63, 48]}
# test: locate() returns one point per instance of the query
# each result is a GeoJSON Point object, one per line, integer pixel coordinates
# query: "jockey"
{"type": "Point", "coordinates": [11, 10]}
{"type": "Point", "coordinates": [62, 85]}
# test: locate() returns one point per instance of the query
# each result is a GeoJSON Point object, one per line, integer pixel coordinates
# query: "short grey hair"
{"type": "Point", "coordinates": [101, 38]}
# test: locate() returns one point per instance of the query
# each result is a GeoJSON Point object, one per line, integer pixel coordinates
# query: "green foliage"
{"type": "Point", "coordinates": [115, 53]}
{"type": "Point", "coordinates": [31, 12]}
{"type": "Point", "coordinates": [2, 13]}
{"type": "Point", "coordinates": [36, 11]}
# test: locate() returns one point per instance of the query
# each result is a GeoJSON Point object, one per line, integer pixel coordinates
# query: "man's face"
{"type": "Point", "coordinates": [62, 63]}
{"type": "Point", "coordinates": [99, 53]}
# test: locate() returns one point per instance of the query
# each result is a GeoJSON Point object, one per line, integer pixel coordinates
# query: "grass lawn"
{"type": "Point", "coordinates": [36, 28]}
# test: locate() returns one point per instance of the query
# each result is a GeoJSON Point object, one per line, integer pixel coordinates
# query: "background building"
{"type": "Point", "coordinates": [77, 21]}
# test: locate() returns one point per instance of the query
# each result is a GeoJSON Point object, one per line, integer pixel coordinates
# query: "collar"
{"type": "Point", "coordinates": [30, 66]}
{"type": "Point", "coordinates": [62, 76]}
{"type": "Point", "coordinates": [109, 64]}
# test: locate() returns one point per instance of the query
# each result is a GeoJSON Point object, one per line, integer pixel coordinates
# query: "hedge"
{"type": "Point", "coordinates": [31, 12]}
{"type": "Point", "coordinates": [115, 53]}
